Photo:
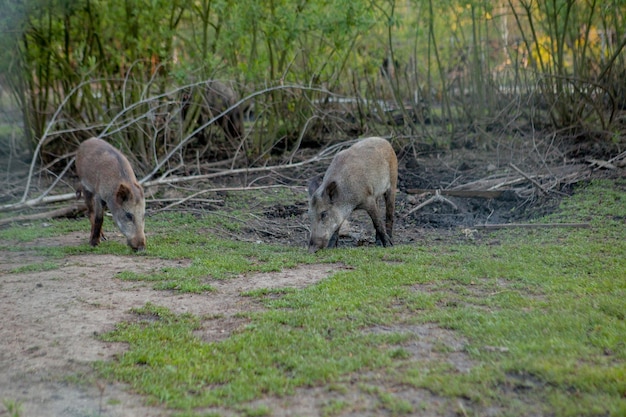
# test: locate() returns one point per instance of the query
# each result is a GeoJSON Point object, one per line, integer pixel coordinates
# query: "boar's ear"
{"type": "Point", "coordinates": [138, 188]}
{"type": "Point", "coordinates": [332, 191]}
{"type": "Point", "coordinates": [123, 194]}
{"type": "Point", "coordinates": [314, 184]}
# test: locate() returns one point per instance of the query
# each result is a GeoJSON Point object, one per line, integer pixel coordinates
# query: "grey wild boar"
{"type": "Point", "coordinates": [108, 180]}
{"type": "Point", "coordinates": [214, 98]}
{"type": "Point", "coordinates": [356, 178]}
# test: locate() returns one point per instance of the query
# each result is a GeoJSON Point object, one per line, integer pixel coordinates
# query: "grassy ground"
{"type": "Point", "coordinates": [540, 312]}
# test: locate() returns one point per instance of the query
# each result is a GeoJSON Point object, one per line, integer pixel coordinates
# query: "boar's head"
{"type": "Point", "coordinates": [327, 212]}
{"type": "Point", "coordinates": [128, 212]}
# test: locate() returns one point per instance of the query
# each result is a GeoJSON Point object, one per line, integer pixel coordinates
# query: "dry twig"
{"type": "Point", "coordinates": [434, 199]}
{"type": "Point", "coordinates": [215, 190]}
{"type": "Point", "coordinates": [523, 174]}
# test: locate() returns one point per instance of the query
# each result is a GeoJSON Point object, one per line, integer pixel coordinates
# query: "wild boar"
{"type": "Point", "coordinates": [215, 97]}
{"type": "Point", "coordinates": [356, 178]}
{"type": "Point", "coordinates": [108, 180]}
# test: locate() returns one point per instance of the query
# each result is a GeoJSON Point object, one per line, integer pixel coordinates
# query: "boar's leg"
{"type": "Point", "coordinates": [96, 216]}
{"type": "Point", "coordinates": [334, 240]}
{"type": "Point", "coordinates": [390, 206]}
{"type": "Point", "coordinates": [382, 239]}
{"type": "Point", "coordinates": [381, 235]}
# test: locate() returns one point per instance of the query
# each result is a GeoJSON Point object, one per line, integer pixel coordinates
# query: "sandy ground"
{"type": "Point", "coordinates": [49, 322]}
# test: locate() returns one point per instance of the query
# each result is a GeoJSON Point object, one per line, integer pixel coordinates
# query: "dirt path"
{"type": "Point", "coordinates": [49, 321]}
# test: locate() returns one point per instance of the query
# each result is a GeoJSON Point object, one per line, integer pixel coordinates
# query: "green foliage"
{"type": "Point", "coordinates": [87, 68]}
{"type": "Point", "coordinates": [561, 39]}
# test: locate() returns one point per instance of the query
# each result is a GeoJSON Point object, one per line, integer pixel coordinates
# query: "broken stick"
{"type": "Point", "coordinates": [530, 225]}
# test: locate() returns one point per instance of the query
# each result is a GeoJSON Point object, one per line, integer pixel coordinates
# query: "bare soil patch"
{"type": "Point", "coordinates": [51, 319]}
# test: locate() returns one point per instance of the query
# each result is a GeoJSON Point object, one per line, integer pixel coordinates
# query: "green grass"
{"type": "Point", "coordinates": [28, 232]}
{"type": "Point", "coordinates": [541, 314]}
{"type": "Point", "coordinates": [36, 267]}
{"type": "Point", "coordinates": [13, 408]}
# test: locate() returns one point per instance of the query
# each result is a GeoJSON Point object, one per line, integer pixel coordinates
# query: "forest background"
{"type": "Point", "coordinates": [427, 74]}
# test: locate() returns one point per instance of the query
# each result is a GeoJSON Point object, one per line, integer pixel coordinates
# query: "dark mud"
{"type": "Point", "coordinates": [442, 217]}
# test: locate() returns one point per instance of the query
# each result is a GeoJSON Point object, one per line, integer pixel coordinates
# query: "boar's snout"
{"type": "Point", "coordinates": [137, 245]}
{"type": "Point", "coordinates": [316, 244]}
{"type": "Point", "coordinates": [139, 248]}
{"type": "Point", "coordinates": [313, 248]}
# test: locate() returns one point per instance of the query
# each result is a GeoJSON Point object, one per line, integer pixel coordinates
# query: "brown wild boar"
{"type": "Point", "coordinates": [214, 97]}
{"type": "Point", "coordinates": [356, 178]}
{"type": "Point", "coordinates": [108, 180]}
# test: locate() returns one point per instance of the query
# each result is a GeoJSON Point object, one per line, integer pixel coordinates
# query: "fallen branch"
{"type": "Point", "coordinates": [174, 180]}
{"type": "Point", "coordinates": [60, 212]}
{"type": "Point", "coordinates": [601, 164]}
{"type": "Point", "coordinates": [619, 157]}
{"type": "Point", "coordinates": [530, 225]}
{"type": "Point", "coordinates": [490, 183]}
{"type": "Point", "coordinates": [36, 201]}
{"type": "Point", "coordinates": [459, 193]}
{"type": "Point", "coordinates": [322, 155]}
